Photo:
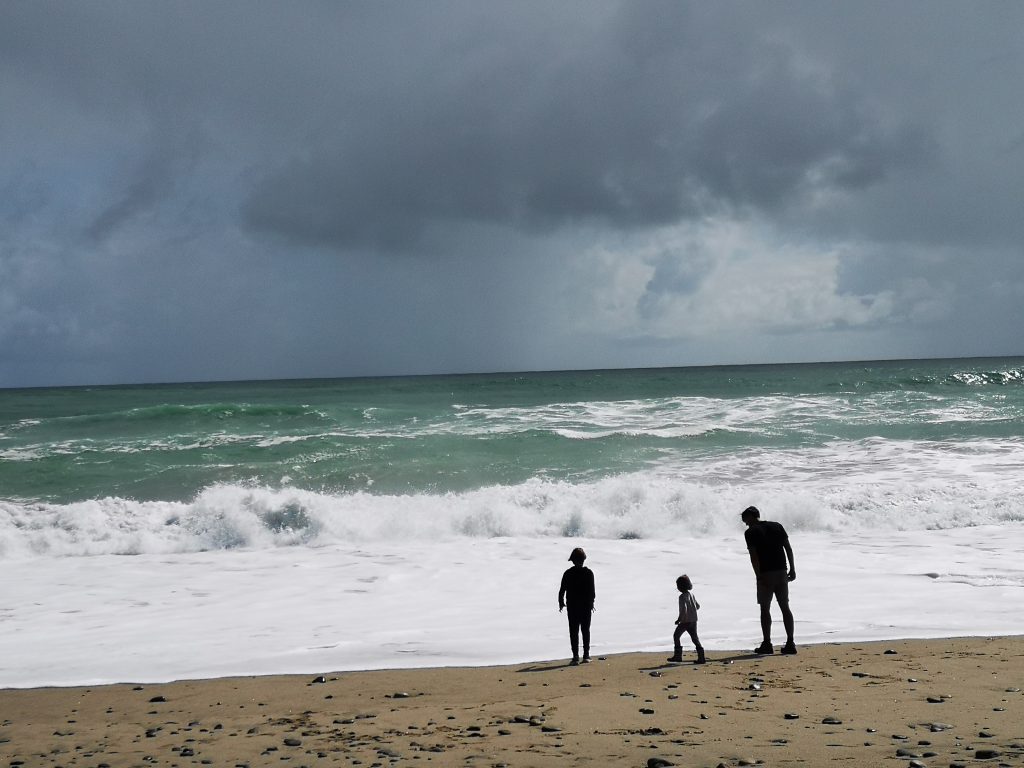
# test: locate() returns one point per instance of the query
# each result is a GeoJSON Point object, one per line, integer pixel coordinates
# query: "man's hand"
{"type": "Point", "coordinates": [561, 607]}
{"type": "Point", "coordinates": [792, 574]}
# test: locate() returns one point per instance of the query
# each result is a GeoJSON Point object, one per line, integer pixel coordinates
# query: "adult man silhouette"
{"type": "Point", "coordinates": [769, 548]}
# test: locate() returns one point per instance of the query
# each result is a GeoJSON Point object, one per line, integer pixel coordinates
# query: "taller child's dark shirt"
{"type": "Point", "coordinates": [578, 586]}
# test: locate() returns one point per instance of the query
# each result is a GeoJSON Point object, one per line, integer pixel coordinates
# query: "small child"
{"type": "Point", "coordinates": [687, 621]}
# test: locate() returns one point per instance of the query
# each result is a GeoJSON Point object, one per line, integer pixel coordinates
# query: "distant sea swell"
{"type": "Point", "coordinates": [609, 454]}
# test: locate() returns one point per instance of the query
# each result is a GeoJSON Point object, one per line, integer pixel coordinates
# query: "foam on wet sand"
{"type": "Point", "coordinates": [936, 702]}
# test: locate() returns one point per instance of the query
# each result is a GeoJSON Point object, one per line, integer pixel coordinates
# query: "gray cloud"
{"type": "Point", "coordinates": [649, 121]}
{"type": "Point", "coordinates": [243, 189]}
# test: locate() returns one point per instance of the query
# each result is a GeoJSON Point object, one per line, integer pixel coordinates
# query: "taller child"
{"type": "Point", "coordinates": [768, 545]}
{"type": "Point", "coordinates": [577, 592]}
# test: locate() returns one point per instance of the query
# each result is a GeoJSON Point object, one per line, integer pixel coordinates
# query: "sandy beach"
{"type": "Point", "coordinates": [920, 702]}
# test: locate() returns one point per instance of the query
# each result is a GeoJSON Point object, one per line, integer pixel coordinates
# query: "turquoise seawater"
{"type": "Point", "coordinates": [351, 443]}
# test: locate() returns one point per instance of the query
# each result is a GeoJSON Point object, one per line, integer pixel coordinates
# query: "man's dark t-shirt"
{"type": "Point", "coordinates": [578, 586]}
{"type": "Point", "coordinates": [766, 539]}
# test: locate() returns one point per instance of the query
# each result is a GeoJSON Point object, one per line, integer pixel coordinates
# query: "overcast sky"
{"type": "Point", "coordinates": [227, 190]}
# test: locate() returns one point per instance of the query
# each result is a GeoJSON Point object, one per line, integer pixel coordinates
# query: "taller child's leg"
{"type": "Point", "coordinates": [574, 635]}
{"type": "Point", "coordinates": [585, 631]}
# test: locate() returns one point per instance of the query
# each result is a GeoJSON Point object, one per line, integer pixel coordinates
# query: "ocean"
{"type": "Point", "coordinates": [190, 530]}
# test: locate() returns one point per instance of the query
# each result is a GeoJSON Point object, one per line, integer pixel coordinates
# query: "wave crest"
{"type": "Point", "coordinates": [651, 505]}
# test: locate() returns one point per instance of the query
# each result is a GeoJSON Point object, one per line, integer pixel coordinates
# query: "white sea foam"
{"type": "Point", "coordinates": [875, 485]}
{"type": "Point", "coordinates": [431, 603]}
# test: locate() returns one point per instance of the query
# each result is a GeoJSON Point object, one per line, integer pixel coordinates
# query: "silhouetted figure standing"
{"type": "Point", "coordinates": [687, 621]}
{"type": "Point", "coordinates": [577, 592]}
{"type": "Point", "coordinates": [768, 545]}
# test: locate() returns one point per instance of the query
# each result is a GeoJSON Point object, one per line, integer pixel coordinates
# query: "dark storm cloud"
{"type": "Point", "coordinates": [652, 118]}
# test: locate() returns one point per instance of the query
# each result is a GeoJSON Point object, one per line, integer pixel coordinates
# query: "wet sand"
{"type": "Point", "coordinates": [927, 703]}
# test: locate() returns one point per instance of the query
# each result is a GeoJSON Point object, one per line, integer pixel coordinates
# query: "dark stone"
{"type": "Point", "coordinates": [791, 716]}
{"type": "Point", "coordinates": [157, 700]}
{"type": "Point", "coordinates": [658, 762]}
{"type": "Point", "coordinates": [290, 742]}
{"type": "Point", "coordinates": [646, 711]}
{"type": "Point", "coordinates": [986, 754]}
{"type": "Point", "coordinates": [832, 721]}
{"type": "Point", "coordinates": [320, 679]}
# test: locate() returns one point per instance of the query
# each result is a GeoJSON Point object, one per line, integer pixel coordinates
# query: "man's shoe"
{"type": "Point", "coordinates": [677, 658]}
{"type": "Point", "coordinates": [789, 649]}
{"type": "Point", "coordinates": [575, 661]}
{"type": "Point", "coordinates": [586, 659]}
{"type": "Point", "coordinates": [764, 649]}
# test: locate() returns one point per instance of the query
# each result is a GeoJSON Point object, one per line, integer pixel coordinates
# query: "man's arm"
{"type": "Point", "coordinates": [754, 562]}
{"type": "Point", "coordinates": [561, 595]}
{"type": "Point", "coordinates": [792, 562]}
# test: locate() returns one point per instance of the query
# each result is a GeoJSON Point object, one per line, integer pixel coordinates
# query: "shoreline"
{"type": "Point", "coordinates": [948, 701]}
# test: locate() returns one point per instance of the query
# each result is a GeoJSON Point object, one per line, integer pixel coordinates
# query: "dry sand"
{"type": "Point", "coordinates": [930, 703]}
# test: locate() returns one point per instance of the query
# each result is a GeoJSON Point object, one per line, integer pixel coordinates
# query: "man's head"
{"type": "Point", "coordinates": [578, 556]}
{"type": "Point", "coordinates": [683, 583]}
{"type": "Point", "coordinates": [750, 515]}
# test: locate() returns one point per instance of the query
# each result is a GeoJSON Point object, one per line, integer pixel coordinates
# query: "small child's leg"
{"type": "Point", "coordinates": [677, 638]}
{"type": "Point", "coordinates": [691, 629]}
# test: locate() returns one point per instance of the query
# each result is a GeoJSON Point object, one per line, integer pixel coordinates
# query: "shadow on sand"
{"type": "Point", "coordinates": [711, 660]}
{"type": "Point", "coordinates": [546, 667]}
{"type": "Point", "coordinates": [553, 665]}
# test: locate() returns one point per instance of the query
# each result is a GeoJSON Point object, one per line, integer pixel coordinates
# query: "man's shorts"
{"type": "Point", "coordinates": [772, 583]}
